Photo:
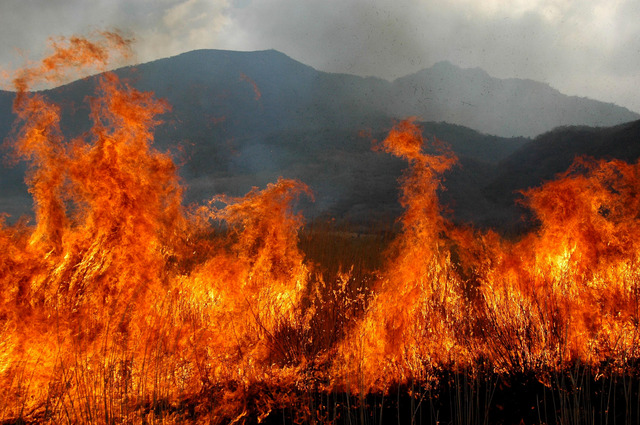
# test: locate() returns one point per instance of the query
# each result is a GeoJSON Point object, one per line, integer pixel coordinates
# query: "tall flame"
{"type": "Point", "coordinates": [395, 337]}
{"type": "Point", "coordinates": [118, 291]}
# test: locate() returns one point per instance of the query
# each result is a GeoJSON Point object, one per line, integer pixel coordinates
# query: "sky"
{"type": "Point", "coordinates": [587, 48]}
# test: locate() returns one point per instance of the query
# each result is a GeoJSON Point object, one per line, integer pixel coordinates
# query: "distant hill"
{"type": "Point", "coordinates": [553, 152]}
{"type": "Point", "coordinates": [242, 119]}
{"type": "Point", "coordinates": [507, 107]}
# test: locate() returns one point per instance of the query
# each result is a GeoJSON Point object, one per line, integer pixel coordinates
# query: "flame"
{"type": "Point", "coordinates": [117, 290]}
{"type": "Point", "coordinates": [454, 298]}
{"type": "Point", "coordinates": [119, 303]}
{"type": "Point", "coordinates": [396, 334]}
{"type": "Point", "coordinates": [254, 86]}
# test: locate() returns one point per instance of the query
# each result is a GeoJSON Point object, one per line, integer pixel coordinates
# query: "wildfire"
{"type": "Point", "coordinates": [120, 301]}
{"type": "Point", "coordinates": [117, 283]}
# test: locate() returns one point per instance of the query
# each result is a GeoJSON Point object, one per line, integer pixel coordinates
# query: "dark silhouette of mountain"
{"type": "Point", "coordinates": [243, 119]}
{"type": "Point", "coordinates": [551, 153]}
{"type": "Point", "coordinates": [507, 107]}
{"type": "Point", "coordinates": [13, 191]}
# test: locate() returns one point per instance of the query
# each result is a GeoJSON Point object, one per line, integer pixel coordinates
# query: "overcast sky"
{"type": "Point", "coordinates": [581, 47]}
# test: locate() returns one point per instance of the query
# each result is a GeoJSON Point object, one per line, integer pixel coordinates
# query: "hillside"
{"type": "Point", "coordinates": [553, 152]}
{"type": "Point", "coordinates": [242, 119]}
{"type": "Point", "coordinates": [507, 107]}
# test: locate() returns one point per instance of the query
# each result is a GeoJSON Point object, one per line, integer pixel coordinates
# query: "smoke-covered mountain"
{"type": "Point", "coordinates": [243, 119]}
{"type": "Point", "coordinates": [507, 107]}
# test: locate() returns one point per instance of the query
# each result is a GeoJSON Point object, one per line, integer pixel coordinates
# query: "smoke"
{"type": "Point", "coordinates": [586, 48]}
{"type": "Point", "coordinates": [161, 29]}
{"type": "Point", "coordinates": [575, 47]}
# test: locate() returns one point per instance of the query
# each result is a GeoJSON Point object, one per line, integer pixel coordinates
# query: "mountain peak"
{"type": "Point", "coordinates": [201, 59]}
{"type": "Point", "coordinates": [446, 66]}
{"type": "Point", "coordinates": [505, 107]}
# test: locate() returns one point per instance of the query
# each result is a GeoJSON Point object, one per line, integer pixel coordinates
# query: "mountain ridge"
{"type": "Point", "coordinates": [244, 119]}
{"type": "Point", "coordinates": [518, 107]}
{"type": "Point", "coordinates": [523, 107]}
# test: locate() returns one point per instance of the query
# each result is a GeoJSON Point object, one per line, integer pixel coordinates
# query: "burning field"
{"type": "Point", "coordinates": [119, 305]}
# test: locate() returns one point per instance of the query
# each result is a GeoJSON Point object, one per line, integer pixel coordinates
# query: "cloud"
{"type": "Point", "coordinates": [161, 27]}
{"type": "Point", "coordinates": [183, 26]}
{"type": "Point", "coordinates": [357, 36]}
{"type": "Point", "coordinates": [572, 45]}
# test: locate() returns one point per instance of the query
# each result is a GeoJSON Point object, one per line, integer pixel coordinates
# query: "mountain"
{"type": "Point", "coordinates": [506, 107]}
{"type": "Point", "coordinates": [551, 153]}
{"type": "Point", "coordinates": [243, 119]}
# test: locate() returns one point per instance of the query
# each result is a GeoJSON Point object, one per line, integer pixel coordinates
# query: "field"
{"type": "Point", "coordinates": [120, 305]}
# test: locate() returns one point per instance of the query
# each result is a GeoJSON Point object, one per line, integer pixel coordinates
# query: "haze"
{"type": "Point", "coordinates": [587, 48]}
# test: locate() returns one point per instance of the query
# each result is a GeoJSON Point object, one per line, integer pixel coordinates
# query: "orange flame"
{"type": "Point", "coordinates": [117, 284]}
{"type": "Point", "coordinates": [396, 335]}
{"type": "Point", "coordinates": [254, 85]}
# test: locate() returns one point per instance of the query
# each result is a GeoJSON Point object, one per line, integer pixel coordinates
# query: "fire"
{"type": "Point", "coordinates": [397, 333]}
{"type": "Point", "coordinates": [456, 298]}
{"type": "Point", "coordinates": [119, 303]}
{"type": "Point", "coordinates": [118, 290]}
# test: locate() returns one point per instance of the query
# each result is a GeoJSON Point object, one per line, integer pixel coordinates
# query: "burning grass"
{"type": "Point", "coordinates": [121, 306]}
